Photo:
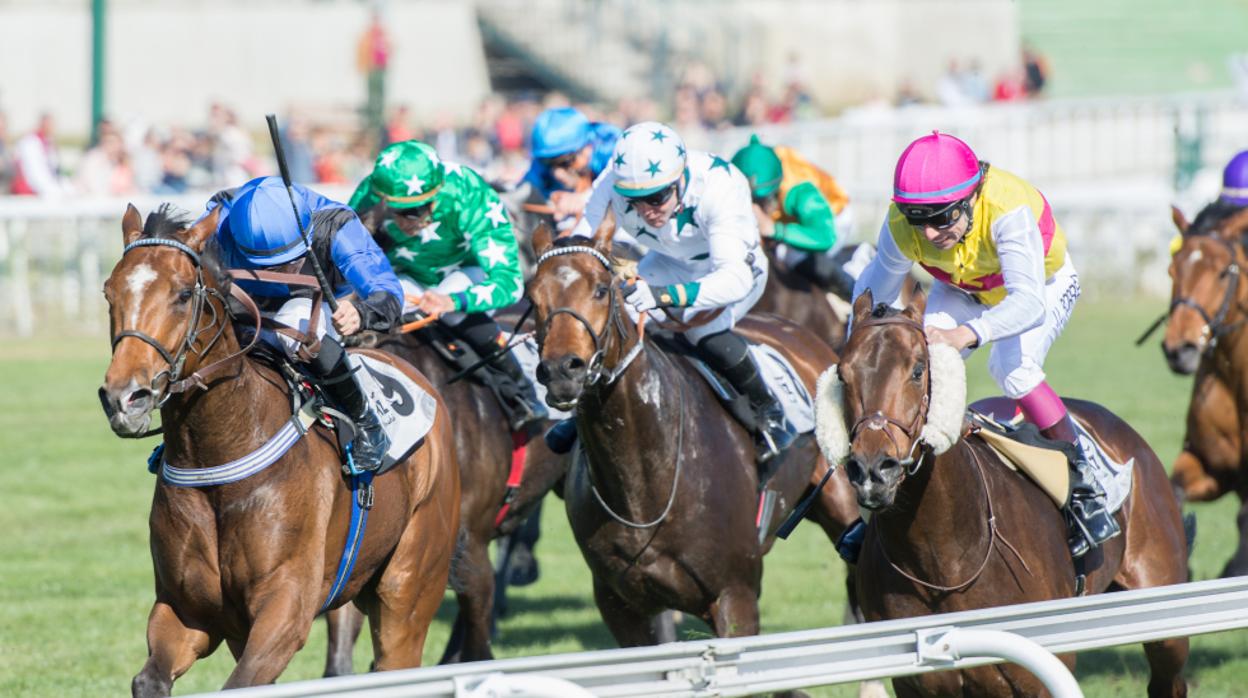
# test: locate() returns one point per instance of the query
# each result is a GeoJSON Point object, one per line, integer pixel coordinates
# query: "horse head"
{"type": "Point", "coordinates": [165, 297]}
{"type": "Point", "coordinates": [891, 400]}
{"type": "Point", "coordinates": [575, 304]}
{"type": "Point", "coordinates": [1207, 286]}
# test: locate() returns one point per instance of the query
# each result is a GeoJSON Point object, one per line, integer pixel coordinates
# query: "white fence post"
{"type": "Point", "coordinates": [943, 646]}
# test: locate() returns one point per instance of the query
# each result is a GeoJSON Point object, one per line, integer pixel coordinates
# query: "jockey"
{"type": "Point", "coordinates": [1003, 276]}
{"type": "Point", "coordinates": [799, 205]}
{"type": "Point", "coordinates": [256, 229]}
{"type": "Point", "coordinates": [1235, 180]}
{"type": "Point", "coordinates": [569, 152]}
{"type": "Point", "coordinates": [693, 210]}
{"type": "Point", "coordinates": [445, 230]}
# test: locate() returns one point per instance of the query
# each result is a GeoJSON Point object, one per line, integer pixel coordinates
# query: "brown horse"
{"type": "Point", "coordinates": [485, 446]}
{"type": "Point", "coordinates": [1205, 336]}
{"type": "Point", "coordinates": [662, 497]}
{"type": "Point", "coordinates": [952, 529]}
{"type": "Point", "coordinates": [252, 562]}
{"type": "Point", "coordinates": [794, 297]}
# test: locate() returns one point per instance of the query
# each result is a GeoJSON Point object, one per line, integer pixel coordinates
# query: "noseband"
{"type": "Point", "coordinates": [876, 420]}
{"type": "Point", "coordinates": [173, 373]}
{"type": "Point", "coordinates": [1215, 326]}
{"type": "Point", "coordinates": [597, 371]}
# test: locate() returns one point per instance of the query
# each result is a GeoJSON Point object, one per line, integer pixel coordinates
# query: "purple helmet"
{"type": "Point", "coordinates": [1235, 180]}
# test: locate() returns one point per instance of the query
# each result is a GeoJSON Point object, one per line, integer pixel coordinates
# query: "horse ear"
{"type": "Point", "coordinates": [131, 225]}
{"type": "Point", "coordinates": [541, 239]}
{"type": "Point", "coordinates": [605, 233]}
{"type": "Point", "coordinates": [199, 234]}
{"type": "Point", "coordinates": [1180, 220]}
{"type": "Point", "coordinates": [918, 302]}
{"type": "Point", "coordinates": [862, 305]}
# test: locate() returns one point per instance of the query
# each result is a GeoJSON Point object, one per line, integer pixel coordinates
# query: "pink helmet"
{"type": "Point", "coordinates": [935, 169]}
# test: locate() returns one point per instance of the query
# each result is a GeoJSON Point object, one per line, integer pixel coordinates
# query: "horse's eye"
{"type": "Point", "coordinates": [917, 374]}
{"type": "Point", "coordinates": [601, 292]}
{"type": "Point", "coordinates": [186, 295]}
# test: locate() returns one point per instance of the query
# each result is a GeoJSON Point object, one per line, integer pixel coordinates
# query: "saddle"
{"type": "Point", "coordinates": [1020, 447]}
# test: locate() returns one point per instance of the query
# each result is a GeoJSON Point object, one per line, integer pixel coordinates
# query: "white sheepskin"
{"type": "Point", "coordinates": [830, 429]}
{"type": "Point", "coordinates": [947, 408]}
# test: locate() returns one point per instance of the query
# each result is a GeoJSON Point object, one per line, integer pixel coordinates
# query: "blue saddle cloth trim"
{"type": "Point", "coordinates": [355, 533]}
{"type": "Point", "coordinates": [239, 469]}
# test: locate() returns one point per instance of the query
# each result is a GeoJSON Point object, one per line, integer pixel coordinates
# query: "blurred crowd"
{"type": "Point", "coordinates": [137, 157]}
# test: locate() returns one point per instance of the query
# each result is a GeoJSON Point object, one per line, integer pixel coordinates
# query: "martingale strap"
{"type": "Point", "coordinates": [361, 502]}
{"type": "Point", "coordinates": [240, 469]}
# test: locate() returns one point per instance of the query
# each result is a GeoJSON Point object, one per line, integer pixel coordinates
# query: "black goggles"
{"type": "Point", "coordinates": [417, 212]}
{"type": "Point", "coordinates": [560, 162]}
{"type": "Point", "coordinates": [658, 198]}
{"type": "Point", "coordinates": [938, 217]}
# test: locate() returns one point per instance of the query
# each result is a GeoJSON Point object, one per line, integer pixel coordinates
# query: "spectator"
{"type": "Point", "coordinates": [37, 171]}
{"type": "Point", "coordinates": [907, 94]}
{"type": "Point", "coordinates": [949, 89]}
{"type": "Point", "coordinates": [1009, 86]}
{"type": "Point", "coordinates": [6, 155]}
{"type": "Point", "coordinates": [972, 83]}
{"type": "Point", "coordinates": [1036, 69]}
{"type": "Point", "coordinates": [105, 169]}
{"type": "Point", "coordinates": [398, 128]}
{"type": "Point", "coordinates": [299, 155]}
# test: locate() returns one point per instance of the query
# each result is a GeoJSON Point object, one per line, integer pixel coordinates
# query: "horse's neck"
{"type": "Point", "coordinates": [939, 524]}
{"type": "Point", "coordinates": [629, 429]}
{"type": "Point", "coordinates": [237, 413]}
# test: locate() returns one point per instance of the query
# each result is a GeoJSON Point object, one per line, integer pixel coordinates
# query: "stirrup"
{"type": "Point", "coordinates": [849, 545]}
{"type": "Point", "coordinates": [368, 449]}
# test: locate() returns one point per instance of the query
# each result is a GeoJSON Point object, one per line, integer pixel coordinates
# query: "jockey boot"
{"type": "Point", "coordinates": [849, 545]}
{"type": "Point", "coordinates": [337, 381]}
{"type": "Point", "coordinates": [826, 272]}
{"type": "Point", "coordinates": [524, 409]}
{"type": "Point", "coordinates": [1091, 521]}
{"type": "Point", "coordinates": [728, 353]}
{"type": "Point", "coordinates": [561, 437]}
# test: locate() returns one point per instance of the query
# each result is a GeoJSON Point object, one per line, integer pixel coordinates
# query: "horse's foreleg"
{"type": "Point", "coordinates": [344, 624]}
{"type": "Point", "coordinates": [1194, 480]}
{"type": "Point", "coordinates": [172, 647]}
{"type": "Point", "coordinates": [1165, 666]}
{"type": "Point", "coordinates": [474, 581]}
{"type": "Point", "coordinates": [629, 627]}
{"type": "Point", "coordinates": [1238, 564]}
{"type": "Point", "coordinates": [279, 629]}
{"type": "Point", "coordinates": [735, 612]}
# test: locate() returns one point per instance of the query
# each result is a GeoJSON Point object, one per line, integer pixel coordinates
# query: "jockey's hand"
{"type": "Point", "coordinates": [959, 337]}
{"type": "Point", "coordinates": [638, 295]}
{"type": "Point", "coordinates": [346, 318]}
{"type": "Point", "coordinates": [568, 204]}
{"type": "Point", "coordinates": [436, 304]}
{"type": "Point", "coordinates": [766, 226]}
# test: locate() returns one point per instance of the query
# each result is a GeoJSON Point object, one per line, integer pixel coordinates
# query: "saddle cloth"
{"type": "Point", "coordinates": [780, 378]}
{"type": "Point", "coordinates": [1048, 467]}
{"type": "Point", "coordinates": [406, 410]}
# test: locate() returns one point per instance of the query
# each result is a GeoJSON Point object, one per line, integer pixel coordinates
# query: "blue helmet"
{"type": "Point", "coordinates": [559, 131]}
{"type": "Point", "coordinates": [263, 225]}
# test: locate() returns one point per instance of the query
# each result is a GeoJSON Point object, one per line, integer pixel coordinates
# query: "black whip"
{"type": "Point", "coordinates": [281, 166]}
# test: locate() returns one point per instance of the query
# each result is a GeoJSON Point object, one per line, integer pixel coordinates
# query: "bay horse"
{"type": "Point", "coordinates": [794, 297]}
{"type": "Point", "coordinates": [1205, 335]}
{"type": "Point", "coordinates": [485, 446]}
{"type": "Point", "coordinates": [953, 530]}
{"type": "Point", "coordinates": [252, 562]}
{"type": "Point", "coordinates": [662, 496]}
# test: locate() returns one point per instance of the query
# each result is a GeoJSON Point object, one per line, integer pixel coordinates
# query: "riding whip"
{"type": "Point", "coordinates": [307, 240]}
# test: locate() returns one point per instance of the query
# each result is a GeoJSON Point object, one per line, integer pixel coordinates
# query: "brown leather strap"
{"type": "Point", "coordinates": [203, 376]}
{"type": "Point", "coordinates": [892, 320]}
{"type": "Point", "coordinates": [310, 345]}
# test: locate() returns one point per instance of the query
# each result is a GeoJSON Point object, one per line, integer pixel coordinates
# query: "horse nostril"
{"type": "Point", "coordinates": [854, 470]}
{"type": "Point", "coordinates": [136, 397]}
{"type": "Point", "coordinates": [543, 372]}
{"type": "Point", "coordinates": [573, 363]}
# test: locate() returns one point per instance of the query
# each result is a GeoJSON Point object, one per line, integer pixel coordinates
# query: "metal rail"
{"type": "Point", "coordinates": [748, 665]}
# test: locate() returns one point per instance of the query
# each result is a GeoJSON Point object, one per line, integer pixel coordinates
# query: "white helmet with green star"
{"type": "Point", "coordinates": [648, 157]}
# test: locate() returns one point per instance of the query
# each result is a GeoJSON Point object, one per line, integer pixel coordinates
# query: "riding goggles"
{"type": "Point", "coordinates": [658, 198]}
{"type": "Point", "coordinates": [560, 162]}
{"type": "Point", "coordinates": [415, 212]}
{"type": "Point", "coordinates": [938, 217]}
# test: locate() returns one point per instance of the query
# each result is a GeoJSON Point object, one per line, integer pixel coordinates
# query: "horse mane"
{"type": "Point", "coordinates": [1212, 216]}
{"type": "Point", "coordinates": [169, 222]}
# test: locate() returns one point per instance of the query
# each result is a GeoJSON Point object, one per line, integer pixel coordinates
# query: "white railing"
{"type": "Point", "coordinates": [787, 661]}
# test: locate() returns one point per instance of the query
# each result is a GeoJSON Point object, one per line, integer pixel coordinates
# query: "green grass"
{"type": "Point", "coordinates": [76, 581]}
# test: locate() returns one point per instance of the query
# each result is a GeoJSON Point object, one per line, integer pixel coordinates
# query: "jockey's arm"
{"type": "Point", "coordinates": [494, 248]}
{"type": "Point", "coordinates": [368, 272]}
{"type": "Point", "coordinates": [815, 227]}
{"type": "Point", "coordinates": [733, 236]}
{"type": "Point", "coordinates": [1021, 251]}
{"type": "Point", "coordinates": [886, 272]}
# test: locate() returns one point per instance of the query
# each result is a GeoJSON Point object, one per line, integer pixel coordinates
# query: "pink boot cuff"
{"type": "Point", "coordinates": [1042, 406]}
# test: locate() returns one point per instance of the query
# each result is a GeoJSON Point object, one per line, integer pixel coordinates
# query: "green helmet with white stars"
{"type": "Point", "coordinates": [407, 174]}
{"type": "Point", "coordinates": [648, 157]}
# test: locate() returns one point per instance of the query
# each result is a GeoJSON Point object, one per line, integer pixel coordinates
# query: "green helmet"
{"type": "Point", "coordinates": [760, 165]}
{"type": "Point", "coordinates": [407, 174]}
